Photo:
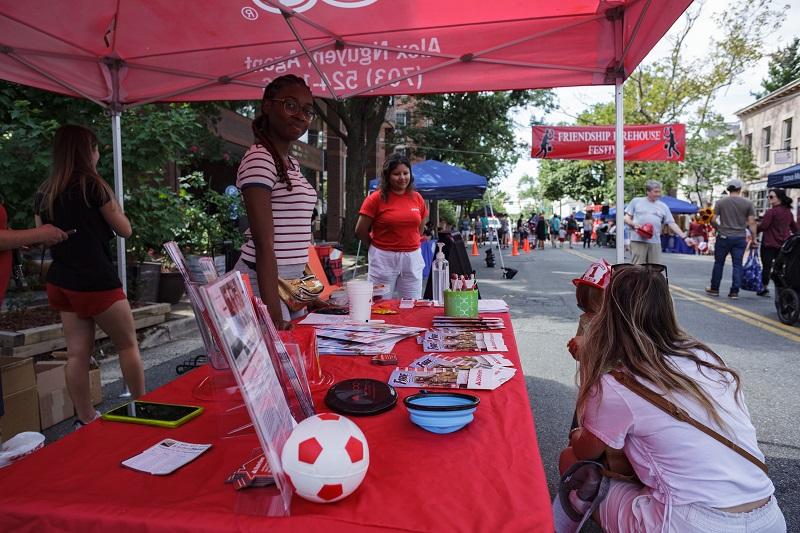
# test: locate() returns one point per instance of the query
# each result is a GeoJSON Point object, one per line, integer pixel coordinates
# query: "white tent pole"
{"type": "Point", "coordinates": [117, 149]}
{"type": "Point", "coordinates": [619, 151]}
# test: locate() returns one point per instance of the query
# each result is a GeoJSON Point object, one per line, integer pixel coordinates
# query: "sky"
{"type": "Point", "coordinates": [573, 100]}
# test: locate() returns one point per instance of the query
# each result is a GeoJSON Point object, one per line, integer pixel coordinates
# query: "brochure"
{"type": "Point", "coordinates": [254, 473]}
{"type": "Point", "coordinates": [489, 360]}
{"type": "Point", "coordinates": [165, 457]}
{"type": "Point", "coordinates": [451, 378]}
{"type": "Point", "coordinates": [462, 341]}
{"type": "Point", "coordinates": [483, 323]}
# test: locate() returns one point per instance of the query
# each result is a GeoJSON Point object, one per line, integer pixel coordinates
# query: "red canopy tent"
{"type": "Point", "coordinates": [124, 53]}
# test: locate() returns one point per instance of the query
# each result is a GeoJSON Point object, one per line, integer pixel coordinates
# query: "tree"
{"type": "Point", "coordinates": [784, 68]}
{"type": "Point", "coordinates": [152, 135]}
{"type": "Point", "coordinates": [679, 87]}
{"type": "Point", "coordinates": [357, 122]}
{"type": "Point", "coordinates": [472, 130]}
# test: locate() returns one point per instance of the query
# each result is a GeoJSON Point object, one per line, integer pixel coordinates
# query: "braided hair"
{"type": "Point", "coordinates": [261, 125]}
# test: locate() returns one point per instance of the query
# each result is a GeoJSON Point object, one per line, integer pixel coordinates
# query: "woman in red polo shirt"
{"type": "Point", "coordinates": [390, 222]}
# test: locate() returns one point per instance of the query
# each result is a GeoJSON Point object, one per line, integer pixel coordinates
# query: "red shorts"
{"type": "Point", "coordinates": [85, 304]}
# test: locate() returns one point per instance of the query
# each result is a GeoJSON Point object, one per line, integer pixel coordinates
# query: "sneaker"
{"type": "Point", "coordinates": [733, 295]}
{"type": "Point", "coordinates": [712, 292]}
{"type": "Point", "coordinates": [763, 292]}
{"type": "Point", "coordinates": [78, 424]}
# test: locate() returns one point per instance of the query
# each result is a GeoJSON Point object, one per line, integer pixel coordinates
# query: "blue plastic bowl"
{"type": "Point", "coordinates": [441, 412]}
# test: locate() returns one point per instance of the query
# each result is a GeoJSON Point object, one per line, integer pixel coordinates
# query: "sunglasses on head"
{"type": "Point", "coordinates": [652, 267]}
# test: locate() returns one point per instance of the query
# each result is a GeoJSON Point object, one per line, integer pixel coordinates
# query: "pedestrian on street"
{"type": "Point", "coordinates": [587, 230]}
{"type": "Point", "coordinates": [778, 224]}
{"type": "Point", "coordinates": [645, 215]}
{"type": "Point", "coordinates": [734, 216]}
{"type": "Point", "coordinates": [541, 231]}
{"type": "Point", "coordinates": [572, 228]}
{"type": "Point", "coordinates": [555, 226]}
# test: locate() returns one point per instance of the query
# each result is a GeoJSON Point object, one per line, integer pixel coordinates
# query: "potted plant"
{"type": "Point", "coordinates": [155, 215]}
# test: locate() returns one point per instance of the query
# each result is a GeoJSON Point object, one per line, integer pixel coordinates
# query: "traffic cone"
{"type": "Point", "coordinates": [526, 246]}
{"type": "Point", "coordinates": [515, 248]}
{"type": "Point", "coordinates": [475, 246]}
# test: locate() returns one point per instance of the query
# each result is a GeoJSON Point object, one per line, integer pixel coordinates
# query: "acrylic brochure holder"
{"type": "Point", "coordinates": [220, 385]}
{"type": "Point", "coordinates": [238, 332]}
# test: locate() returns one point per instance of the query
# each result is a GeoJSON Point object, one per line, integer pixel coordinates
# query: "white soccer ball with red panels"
{"type": "Point", "coordinates": [326, 457]}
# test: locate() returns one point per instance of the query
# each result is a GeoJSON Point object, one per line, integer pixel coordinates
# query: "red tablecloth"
{"type": "Point", "coordinates": [485, 477]}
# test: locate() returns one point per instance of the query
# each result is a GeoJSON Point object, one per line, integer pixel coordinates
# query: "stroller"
{"type": "Point", "coordinates": [786, 275]}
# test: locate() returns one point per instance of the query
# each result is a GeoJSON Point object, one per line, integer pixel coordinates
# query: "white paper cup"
{"type": "Point", "coordinates": [359, 293]}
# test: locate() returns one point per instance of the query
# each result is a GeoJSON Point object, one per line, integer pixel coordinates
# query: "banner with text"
{"type": "Point", "coordinates": [647, 142]}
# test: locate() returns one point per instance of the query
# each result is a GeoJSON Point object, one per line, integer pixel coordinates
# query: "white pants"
{"type": "Point", "coordinates": [400, 271]}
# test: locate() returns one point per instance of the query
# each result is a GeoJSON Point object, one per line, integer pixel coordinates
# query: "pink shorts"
{"type": "Point", "coordinates": [82, 303]}
{"type": "Point", "coordinates": [630, 507]}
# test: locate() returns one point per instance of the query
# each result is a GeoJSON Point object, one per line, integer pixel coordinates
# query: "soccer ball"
{"type": "Point", "coordinates": [325, 457]}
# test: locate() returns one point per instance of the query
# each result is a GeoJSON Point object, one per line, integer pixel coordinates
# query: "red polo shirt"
{"type": "Point", "coordinates": [396, 221]}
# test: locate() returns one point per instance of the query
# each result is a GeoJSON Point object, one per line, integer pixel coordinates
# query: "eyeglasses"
{"type": "Point", "coordinates": [771, 196]}
{"type": "Point", "coordinates": [652, 267]}
{"type": "Point", "coordinates": [293, 108]}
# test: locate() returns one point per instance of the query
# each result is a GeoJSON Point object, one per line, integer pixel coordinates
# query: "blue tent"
{"type": "Point", "coordinates": [580, 215]}
{"type": "Point", "coordinates": [787, 178]}
{"type": "Point", "coordinates": [679, 207]}
{"type": "Point", "coordinates": [435, 180]}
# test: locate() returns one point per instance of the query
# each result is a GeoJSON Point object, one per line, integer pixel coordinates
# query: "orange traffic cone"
{"type": "Point", "coordinates": [475, 245]}
{"type": "Point", "coordinates": [515, 248]}
{"type": "Point", "coordinates": [526, 246]}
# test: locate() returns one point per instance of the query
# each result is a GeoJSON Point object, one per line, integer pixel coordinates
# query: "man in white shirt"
{"type": "Point", "coordinates": [645, 215]}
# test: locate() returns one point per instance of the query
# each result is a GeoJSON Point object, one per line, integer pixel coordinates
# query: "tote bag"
{"type": "Point", "coordinates": [751, 273]}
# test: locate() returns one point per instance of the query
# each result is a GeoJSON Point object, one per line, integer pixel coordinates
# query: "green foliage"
{"type": "Point", "coordinates": [677, 87]}
{"type": "Point", "coordinates": [784, 68]}
{"type": "Point", "coordinates": [152, 136]}
{"type": "Point", "coordinates": [447, 211]}
{"type": "Point", "coordinates": [472, 130]}
{"type": "Point", "coordinates": [197, 217]}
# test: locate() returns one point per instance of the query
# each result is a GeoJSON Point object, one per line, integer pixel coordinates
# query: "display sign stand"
{"type": "Point", "coordinates": [237, 330]}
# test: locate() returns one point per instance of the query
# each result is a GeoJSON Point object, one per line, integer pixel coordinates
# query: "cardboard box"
{"type": "Point", "coordinates": [95, 386]}
{"type": "Point", "coordinates": [22, 413]}
{"type": "Point", "coordinates": [55, 403]}
{"type": "Point", "coordinates": [16, 374]}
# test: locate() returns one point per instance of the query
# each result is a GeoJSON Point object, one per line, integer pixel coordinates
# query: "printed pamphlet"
{"type": "Point", "coordinates": [165, 457]}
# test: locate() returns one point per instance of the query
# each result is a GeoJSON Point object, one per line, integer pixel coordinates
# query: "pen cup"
{"type": "Point", "coordinates": [462, 304]}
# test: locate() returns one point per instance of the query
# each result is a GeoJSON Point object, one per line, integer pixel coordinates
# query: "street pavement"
{"type": "Point", "coordinates": [745, 332]}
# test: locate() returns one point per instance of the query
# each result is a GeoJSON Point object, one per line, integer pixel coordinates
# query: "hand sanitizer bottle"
{"type": "Point", "coordinates": [441, 276]}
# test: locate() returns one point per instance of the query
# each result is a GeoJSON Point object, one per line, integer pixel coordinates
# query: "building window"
{"type": "Point", "coordinates": [748, 141]}
{"type": "Point", "coordinates": [401, 118]}
{"type": "Point", "coordinates": [787, 134]}
{"type": "Point", "coordinates": [766, 135]}
{"type": "Point", "coordinates": [759, 199]}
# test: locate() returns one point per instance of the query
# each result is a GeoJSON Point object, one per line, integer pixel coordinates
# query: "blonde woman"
{"type": "Point", "coordinates": [688, 480]}
{"type": "Point", "coordinates": [82, 282]}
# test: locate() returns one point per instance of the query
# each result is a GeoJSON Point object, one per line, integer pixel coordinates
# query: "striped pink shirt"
{"type": "Point", "coordinates": [291, 210]}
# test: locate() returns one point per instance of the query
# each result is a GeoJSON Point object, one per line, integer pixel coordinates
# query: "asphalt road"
{"type": "Point", "coordinates": [745, 332]}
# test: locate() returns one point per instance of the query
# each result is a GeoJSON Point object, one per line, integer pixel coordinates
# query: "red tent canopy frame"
{"type": "Point", "coordinates": [125, 53]}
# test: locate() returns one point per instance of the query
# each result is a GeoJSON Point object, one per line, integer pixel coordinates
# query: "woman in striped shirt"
{"type": "Point", "coordinates": [278, 198]}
